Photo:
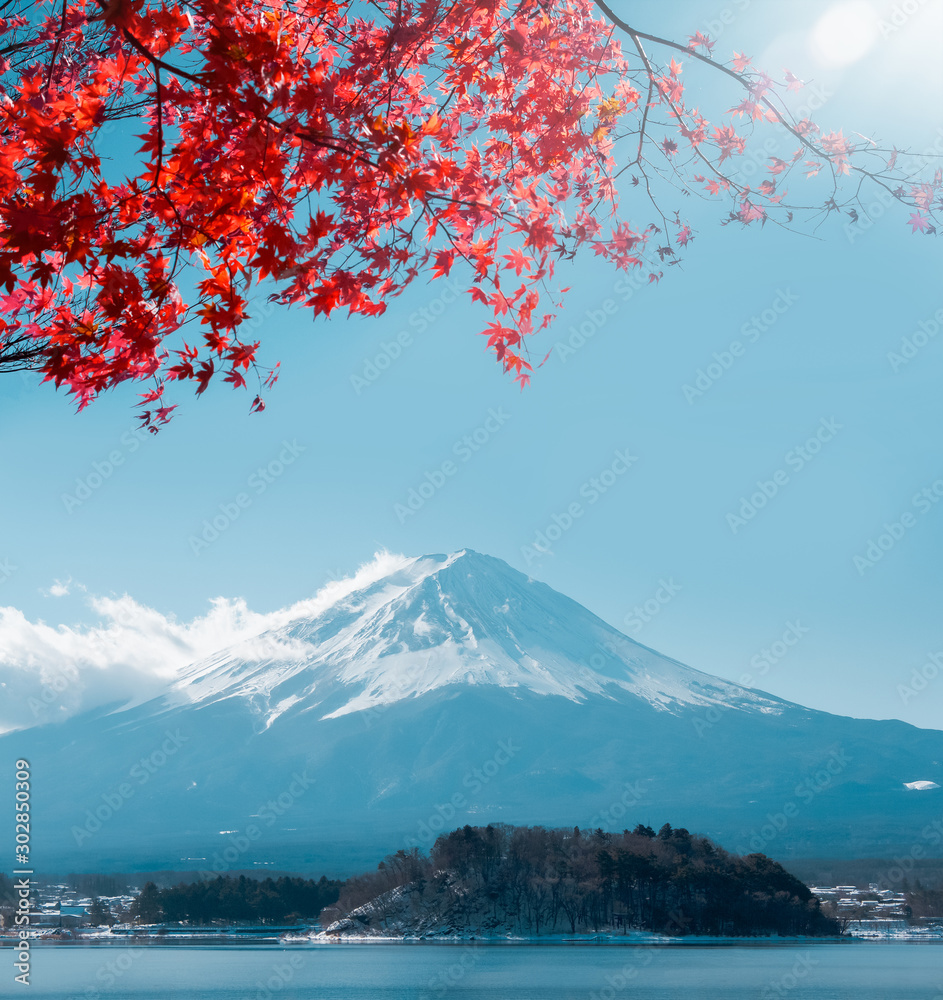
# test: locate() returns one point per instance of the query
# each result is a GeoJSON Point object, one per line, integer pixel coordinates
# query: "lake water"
{"type": "Point", "coordinates": [838, 971]}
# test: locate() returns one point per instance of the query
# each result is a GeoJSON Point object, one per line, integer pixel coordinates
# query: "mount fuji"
{"type": "Point", "coordinates": [457, 690]}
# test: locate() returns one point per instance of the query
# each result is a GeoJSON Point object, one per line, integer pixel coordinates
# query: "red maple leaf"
{"type": "Point", "coordinates": [328, 157]}
{"type": "Point", "coordinates": [699, 39]}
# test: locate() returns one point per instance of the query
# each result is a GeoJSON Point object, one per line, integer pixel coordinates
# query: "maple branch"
{"type": "Point", "coordinates": [650, 73]}
{"type": "Point", "coordinates": [107, 8]}
{"type": "Point", "coordinates": [21, 353]}
{"type": "Point", "coordinates": [159, 64]}
{"type": "Point", "coordinates": [159, 95]}
{"type": "Point", "coordinates": [55, 51]}
{"type": "Point", "coordinates": [677, 113]}
{"type": "Point", "coordinates": [283, 105]}
{"type": "Point", "coordinates": [648, 99]}
{"type": "Point", "coordinates": [744, 82]}
{"type": "Point", "coordinates": [742, 79]}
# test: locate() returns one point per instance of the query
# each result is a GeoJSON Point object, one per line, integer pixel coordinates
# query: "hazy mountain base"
{"type": "Point", "coordinates": [752, 783]}
{"type": "Point", "coordinates": [903, 872]}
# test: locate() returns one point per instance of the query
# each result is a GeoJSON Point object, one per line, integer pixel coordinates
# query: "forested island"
{"type": "Point", "coordinates": [492, 881]}
{"type": "Point", "coordinates": [499, 880]}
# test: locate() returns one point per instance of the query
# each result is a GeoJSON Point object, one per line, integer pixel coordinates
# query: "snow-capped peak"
{"type": "Point", "coordinates": [440, 620]}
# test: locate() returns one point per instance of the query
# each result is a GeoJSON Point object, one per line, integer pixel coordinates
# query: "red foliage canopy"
{"type": "Point", "coordinates": [341, 150]}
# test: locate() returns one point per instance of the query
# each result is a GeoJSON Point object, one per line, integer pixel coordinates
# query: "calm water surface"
{"type": "Point", "coordinates": [852, 971]}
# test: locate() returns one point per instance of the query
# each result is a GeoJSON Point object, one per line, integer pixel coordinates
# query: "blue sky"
{"type": "Point", "coordinates": [342, 444]}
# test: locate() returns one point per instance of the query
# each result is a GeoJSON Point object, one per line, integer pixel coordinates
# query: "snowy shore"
{"type": "Point", "coordinates": [226, 936]}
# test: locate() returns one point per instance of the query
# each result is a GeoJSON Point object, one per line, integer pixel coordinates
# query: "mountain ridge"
{"type": "Point", "coordinates": [400, 611]}
{"type": "Point", "coordinates": [381, 716]}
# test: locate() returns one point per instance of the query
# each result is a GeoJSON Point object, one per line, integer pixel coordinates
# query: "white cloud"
{"type": "Point", "coordinates": [59, 589]}
{"type": "Point", "coordinates": [52, 672]}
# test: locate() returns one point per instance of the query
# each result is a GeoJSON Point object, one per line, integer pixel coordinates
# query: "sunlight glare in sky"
{"type": "Point", "coordinates": [844, 33]}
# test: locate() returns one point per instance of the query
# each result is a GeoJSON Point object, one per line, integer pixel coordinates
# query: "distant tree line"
{"type": "Point", "coordinates": [925, 902]}
{"type": "Point", "coordinates": [272, 901]}
{"type": "Point", "coordinates": [533, 880]}
{"type": "Point", "coordinates": [96, 884]}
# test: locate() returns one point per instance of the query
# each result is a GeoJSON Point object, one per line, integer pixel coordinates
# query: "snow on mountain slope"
{"type": "Point", "coordinates": [461, 619]}
{"type": "Point", "coordinates": [445, 690]}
